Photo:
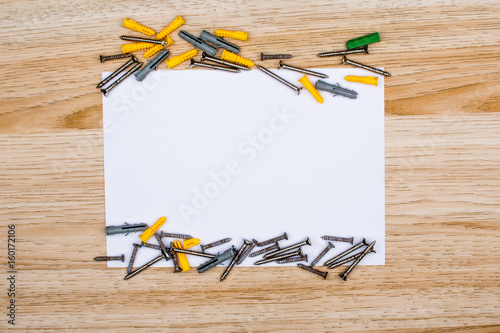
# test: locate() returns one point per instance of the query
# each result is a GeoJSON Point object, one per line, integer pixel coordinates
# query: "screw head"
{"type": "Point", "coordinates": [203, 56]}
{"type": "Point", "coordinates": [123, 258]}
{"type": "Point", "coordinates": [308, 241]}
{"type": "Point", "coordinates": [284, 234]}
{"type": "Point", "coordinates": [191, 64]}
{"type": "Point", "coordinates": [366, 49]}
{"type": "Point", "coordinates": [344, 60]}
{"type": "Point", "coordinates": [280, 65]}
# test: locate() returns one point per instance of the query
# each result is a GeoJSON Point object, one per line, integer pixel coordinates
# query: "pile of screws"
{"type": "Point", "coordinates": [230, 61]}
{"type": "Point", "coordinates": [271, 251]}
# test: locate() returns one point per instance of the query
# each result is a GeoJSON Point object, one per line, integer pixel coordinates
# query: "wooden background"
{"type": "Point", "coordinates": [442, 156]}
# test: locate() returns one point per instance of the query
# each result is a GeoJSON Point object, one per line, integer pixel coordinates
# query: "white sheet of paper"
{"type": "Point", "coordinates": [242, 156]}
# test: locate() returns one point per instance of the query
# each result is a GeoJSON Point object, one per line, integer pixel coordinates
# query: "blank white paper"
{"type": "Point", "coordinates": [243, 156]}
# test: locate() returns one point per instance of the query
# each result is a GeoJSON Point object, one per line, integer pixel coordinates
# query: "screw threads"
{"type": "Point", "coordinates": [131, 47]}
{"type": "Point", "coordinates": [292, 259]}
{"type": "Point", "coordinates": [114, 57]}
{"type": "Point", "coordinates": [313, 270]}
{"type": "Point", "coordinates": [338, 239]}
{"type": "Point", "coordinates": [171, 235]}
{"type": "Point", "coordinates": [266, 249]}
{"type": "Point", "coordinates": [235, 258]}
{"type": "Point", "coordinates": [116, 258]}
{"type": "Point", "coordinates": [230, 56]}
{"type": "Point", "coordinates": [363, 49]}
{"type": "Point", "coordinates": [177, 22]}
{"type": "Point", "coordinates": [346, 252]}
{"type": "Point", "coordinates": [373, 80]}
{"type": "Point", "coordinates": [273, 240]}
{"type": "Point", "coordinates": [217, 67]}
{"type": "Point", "coordinates": [322, 254]}
{"type": "Point", "coordinates": [280, 79]}
{"type": "Point", "coordinates": [275, 56]}
{"type": "Point", "coordinates": [241, 35]}
{"type": "Point", "coordinates": [194, 253]}
{"type": "Point", "coordinates": [309, 86]}
{"type": "Point", "coordinates": [174, 61]}
{"type": "Point", "coordinates": [132, 258]}
{"type": "Point", "coordinates": [133, 25]}
{"type": "Point", "coordinates": [356, 262]}
{"type": "Point", "coordinates": [152, 51]}
{"type": "Point", "coordinates": [368, 68]}
{"type": "Point", "coordinates": [214, 244]}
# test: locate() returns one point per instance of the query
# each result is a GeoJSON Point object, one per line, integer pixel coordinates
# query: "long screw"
{"type": "Point", "coordinates": [132, 257]}
{"type": "Point", "coordinates": [116, 258]}
{"type": "Point", "coordinates": [273, 240]}
{"type": "Point", "coordinates": [276, 246]}
{"type": "Point", "coordinates": [220, 68]}
{"type": "Point", "coordinates": [274, 56]}
{"type": "Point", "coordinates": [346, 252]}
{"type": "Point", "coordinates": [235, 258]}
{"type": "Point", "coordinates": [322, 254]}
{"type": "Point", "coordinates": [363, 49]}
{"type": "Point", "coordinates": [115, 56]}
{"type": "Point", "coordinates": [285, 249]}
{"type": "Point", "coordinates": [171, 235]}
{"type": "Point", "coordinates": [338, 239]}
{"type": "Point", "coordinates": [162, 42]}
{"type": "Point", "coordinates": [346, 260]}
{"type": "Point", "coordinates": [313, 270]}
{"type": "Point", "coordinates": [131, 71]}
{"type": "Point", "coordinates": [143, 267]}
{"type": "Point", "coordinates": [301, 70]}
{"type": "Point", "coordinates": [356, 262]}
{"type": "Point", "coordinates": [194, 253]}
{"type": "Point", "coordinates": [117, 72]}
{"type": "Point", "coordinates": [368, 68]}
{"type": "Point", "coordinates": [245, 253]}
{"type": "Point", "coordinates": [280, 79]}
{"type": "Point", "coordinates": [279, 257]}
{"type": "Point", "coordinates": [205, 56]}
{"type": "Point", "coordinates": [292, 259]}
{"type": "Point", "coordinates": [214, 244]}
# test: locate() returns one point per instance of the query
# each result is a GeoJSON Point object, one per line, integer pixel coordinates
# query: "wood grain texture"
{"type": "Point", "coordinates": [442, 171]}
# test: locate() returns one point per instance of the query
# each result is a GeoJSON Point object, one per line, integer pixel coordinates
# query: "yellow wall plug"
{"type": "Point", "coordinates": [190, 242]}
{"type": "Point", "coordinates": [230, 56]}
{"type": "Point", "coordinates": [373, 80]}
{"type": "Point", "coordinates": [309, 86]}
{"type": "Point", "coordinates": [133, 25]}
{"type": "Point", "coordinates": [182, 257]}
{"type": "Point", "coordinates": [152, 229]}
{"type": "Point", "coordinates": [171, 27]}
{"type": "Point", "coordinates": [157, 48]}
{"type": "Point", "coordinates": [131, 47]}
{"type": "Point", "coordinates": [174, 61]}
{"type": "Point", "coordinates": [241, 35]}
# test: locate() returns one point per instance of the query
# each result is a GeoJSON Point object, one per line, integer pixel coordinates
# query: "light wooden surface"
{"type": "Point", "coordinates": [442, 156]}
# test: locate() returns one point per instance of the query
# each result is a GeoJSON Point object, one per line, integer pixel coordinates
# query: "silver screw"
{"type": "Point", "coordinates": [205, 56]}
{"type": "Point", "coordinates": [274, 56]}
{"type": "Point", "coordinates": [214, 244]}
{"type": "Point", "coordinates": [356, 262]}
{"type": "Point", "coordinates": [117, 72]}
{"type": "Point", "coordinates": [285, 249]}
{"type": "Point", "coordinates": [363, 49]}
{"type": "Point", "coordinates": [131, 71]}
{"type": "Point", "coordinates": [194, 253]}
{"type": "Point", "coordinates": [338, 239]}
{"type": "Point", "coordinates": [246, 252]}
{"type": "Point", "coordinates": [266, 249]}
{"type": "Point", "coordinates": [368, 68]}
{"type": "Point", "coordinates": [171, 235]}
{"type": "Point", "coordinates": [292, 259]}
{"type": "Point", "coordinates": [346, 252]}
{"type": "Point", "coordinates": [132, 257]}
{"type": "Point", "coordinates": [346, 260]}
{"type": "Point", "coordinates": [152, 246]}
{"type": "Point", "coordinates": [301, 70]}
{"type": "Point", "coordinates": [279, 257]}
{"type": "Point", "coordinates": [116, 258]}
{"type": "Point", "coordinates": [161, 42]}
{"type": "Point", "coordinates": [143, 267]}
{"type": "Point", "coordinates": [313, 270]}
{"type": "Point", "coordinates": [282, 80]}
{"type": "Point", "coordinates": [273, 240]}
{"type": "Point", "coordinates": [220, 68]}
{"type": "Point", "coordinates": [175, 258]}
{"type": "Point", "coordinates": [322, 254]}
{"type": "Point", "coordinates": [235, 258]}
{"type": "Point", "coordinates": [115, 56]}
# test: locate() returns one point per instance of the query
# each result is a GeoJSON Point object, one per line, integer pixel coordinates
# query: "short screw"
{"type": "Point", "coordinates": [131, 71]}
{"type": "Point", "coordinates": [116, 258]}
{"type": "Point", "coordinates": [313, 270]}
{"type": "Point", "coordinates": [285, 249]}
{"type": "Point", "coordinates": [338, 239]}
{"type": "Point", "coordinates": [205, 56]}
{"type": "Point", "coordinates": [346, 252]}
{"type": "Point", "coordinates": [368, 68]}
{"type": "Point", "coordinates": [363, 49]}
{"type": "Point", "coordinates": [171, 235]}
{"type": "Point", "coordinates": [220, 68]}
{"type": "Point", "coordinates": [235, 258]}
{"type": "Point", "coordinates": [162, 42]}
{"type": "Point", "coordinates": [274, 56]}
{"type": "Point", "coordinates": [276, 246]}
{"type": "Point", "coordinates": [279, 257]}
{"type": "Point", "coordinates": [214, 244]}
{"type": "Point", "coordinates": [115, 56]}
{"type": "Point", "coordinates": [301, 70]}
{"type": "Point", "coordinates": [273, 240]}
{"type": "Point", "coordinates": [132, 257]}
{"type": "Point", "coordinates": [280, 79]}
{"type": "Point", "coordinates": [356, 262]}
{"type": "Point", "coordinates": [292, 259]}
{"type": "Point", "coordinates": [322, 254]}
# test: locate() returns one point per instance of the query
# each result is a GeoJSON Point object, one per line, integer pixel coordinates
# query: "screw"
{"type": "Point", "coordinates": [322, 254]}
{"type": "Point", "coordinates": [273, 240]}
{"type": "Point", "coordinates": [274, 56]}
{"type": "Point", "coordinates": [356, 262]}
{"type": "Point", "coordinates": [246, 252]}
{"type": "Point", "coordinates": [346, 260]}
{"type": "Point", "coordinates": [279, 257]}
{"type": "Point", "coordinates": [143, 267]}
{"type": "Point", "coordinates": [194, 253]}
{"type": "Point", "coordinates": [162, 246]}
{"type": "Point", "coordinates": [175, 258]}
{"type": "Point", "coordinates": [214, 244]}
{"type": "Point", "coordinates": [301, 70]}
{"type": "Point", "coordinates": [170, 235]}
{"type": "Point", "coordinates": [115, 56]}
{"type": "Point", "coordinates": [313, 270]}
{"type": "Point", "coordinates": [162, 42]}
{"type": "Point", "coordinates": [266, 249]}
{"type": "Point", "coordinates": [285, 249]}
{"type": "Point", "coordinates": [235, 258]}
{"type": "Point", "coordinates": [338, 239]}
{"type": "Point", "coordinates": [346, 252]}
{"type": "Point", "coordinates": [152, 246]}
{"type": "Point", "coordinates": [132, 257]}
{"type": "Point", "coordinates": [368, 68]}
{"type": "Point", "coordinates": [116, 72]}
{"type": "Point", "coordinates": [205, 56]}
{"type": "Point", "coordinates": [116, 258]}
{"type": "Point", "coordinates": [282, 80]}
{"type": "Point", "coordinates": [363, 49]}
{"type": "Point", "coordinates": [131, 71]}
{"type": "Point", "coordinates": [221, 68]}
{"type": "Point", "coordinates": [292, 259]}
